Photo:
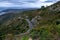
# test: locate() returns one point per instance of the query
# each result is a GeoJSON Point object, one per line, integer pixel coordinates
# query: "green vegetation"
{"type": "Point", "coordinates": [47, 29]}
{"type": "Point", "coordinates": [25, 38]}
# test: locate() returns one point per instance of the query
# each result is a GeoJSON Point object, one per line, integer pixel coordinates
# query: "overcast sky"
{"type": "Point", "coordinates": [26, 3]}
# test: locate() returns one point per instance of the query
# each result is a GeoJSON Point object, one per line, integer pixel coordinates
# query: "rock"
{"type": "Point", "coordinates": [30, 39]}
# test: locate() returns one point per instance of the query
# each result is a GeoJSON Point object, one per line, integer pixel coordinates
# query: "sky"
{"type": "Point", "coordinates": [26, 3]}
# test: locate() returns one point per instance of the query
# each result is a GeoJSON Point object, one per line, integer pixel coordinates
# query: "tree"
{"type": "Point", "coordinates": [42, 7]}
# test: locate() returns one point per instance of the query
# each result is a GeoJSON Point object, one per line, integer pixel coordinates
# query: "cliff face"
{"type": "Point", "coordinates": [38, 24]}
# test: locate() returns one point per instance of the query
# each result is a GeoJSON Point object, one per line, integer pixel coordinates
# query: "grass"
{"type": "Point", "coordinates": [25, 38]}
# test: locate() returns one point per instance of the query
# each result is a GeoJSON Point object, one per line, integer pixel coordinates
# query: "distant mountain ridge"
{"type": "Point", "coordinates": [14, 10]}
{"type": "Point", "coordinates": [5, 9]}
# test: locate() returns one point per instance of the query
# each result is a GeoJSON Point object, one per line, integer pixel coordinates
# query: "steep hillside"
{"type": "Point", "coordinates": [40, 24]}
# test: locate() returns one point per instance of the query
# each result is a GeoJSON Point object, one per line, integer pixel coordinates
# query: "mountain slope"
{"type": "Point", "coordinates": [46, 23]}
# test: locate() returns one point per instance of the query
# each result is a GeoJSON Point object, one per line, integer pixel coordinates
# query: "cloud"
{"type": "Point", "coordinates": [42, 0]}
{"type": "Point", "coordinates": [30, 1]}
{"type": "Point", "coordinates": [8, 4]}
{"type": "Point", "coordinates": [5, 4]}
{"type": "Point", "coordinates": [26, 3]}
{"type": "Point", "coordinates": [52, 0]}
